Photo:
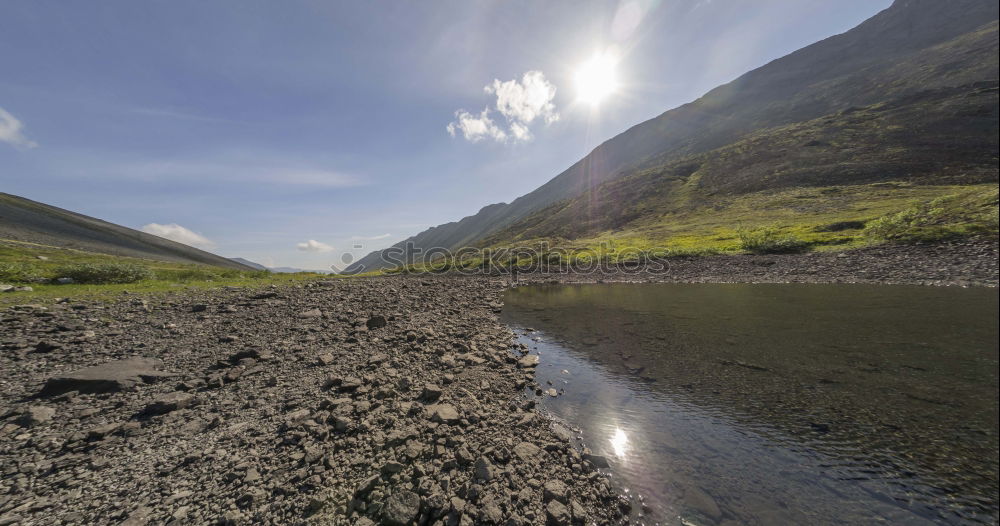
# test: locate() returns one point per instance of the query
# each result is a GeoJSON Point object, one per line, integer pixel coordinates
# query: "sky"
{"type": "Point", "coordinates": [292, 133]}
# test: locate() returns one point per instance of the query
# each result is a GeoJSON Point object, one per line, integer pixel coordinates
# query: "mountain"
{"type": "Point", "coordinates": [30, 221]}
{"type": "Point", "coordinates": [249, 263]}
{"type": "Point", "coordinates": [913, 56]}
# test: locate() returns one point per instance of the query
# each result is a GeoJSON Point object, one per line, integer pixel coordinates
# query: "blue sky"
{"type": "Point", "coordinates": [289, 132]}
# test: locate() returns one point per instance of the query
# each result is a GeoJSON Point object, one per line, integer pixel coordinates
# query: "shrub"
{"type": "Point", "coordinates": [767, 240]}
{"type": "Point", "coordinates": [20, 273]}
{"type": "Point", "coordinates": [943, 218]}
{"type": "Point", "coordinates": [105, 272]}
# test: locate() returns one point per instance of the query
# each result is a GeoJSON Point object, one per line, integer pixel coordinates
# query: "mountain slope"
{"type": "Point", "coordinates": [30, 221]}
{"type": "Point", "coordinates": [911, 47]}
{"type": "Point", "coordinates": [944, 138]}
{"type": "Point", "coordinates": [251, 264]}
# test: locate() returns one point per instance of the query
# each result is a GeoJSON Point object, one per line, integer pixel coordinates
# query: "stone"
{"type": "Point", "coordinates": [484, 469]}
{"type": "Point", "coordinates": [324, 359]}
{"type": "Point", "coordinates": [100, 432]}
{"type": "Point", "coordinates": [401, 508]}
{"type": "Point", "coordinates": [431, 393]}
{"type": "Point", "coordinates": [527, 451]}
{"type": "Point", "coordinates": [557, 514]}
{"type": "Point", "coordinates": [392, 467]}
{"type": "Point", "coordinates": [443, 413]}
{"type": "Point", "coordinates": [36, 415]}
{"type": "Point", "coordinates": [376, 322]}
{"type": "Point", "coordinates": [554, 490]}
{"type": "Point", "coordinates": [106, 378]}
{"type": "Point", "coordinates": [47, 346]}
{"type": "Point", "coordinates": [169, 402]}
{"type": "Point", "coordinates": [311, 313]}
{"type": "Point", "coordinates": [528, 361]}
{"type": "Point", "coordinates": [599, 461]}
{"type": "Point", "coordinates": [65, 281]}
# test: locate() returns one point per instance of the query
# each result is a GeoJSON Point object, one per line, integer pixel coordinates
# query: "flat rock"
{"type": "Point", "coordinates": [556, 514]}
{"type": "Point", "coordinates": [528, 361]}
{"type": "Point", "coordinates": [168, 403]}
{"type": "Point", "coordinates": [597, 460]}
{"type": "Point", "coordinates": [431, 393]}
{"type": "Point", "coordinates": [484, 469]}
{"type": "Point", "coordinates": [36, 415]}
{"type": "Point", "coordinates": [443, 413]}
{"type": "Point", "coordinates": [526, 451]}
{"type": "Point", "coordinates": [376, 322]}
{"type": "Point", "coordinates": [554, 490]}
{"type": "Point", "coordinates": [107, 377]}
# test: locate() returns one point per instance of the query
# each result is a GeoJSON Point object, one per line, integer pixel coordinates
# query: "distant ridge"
{"type": "Point", "coordinates": [33, 222]}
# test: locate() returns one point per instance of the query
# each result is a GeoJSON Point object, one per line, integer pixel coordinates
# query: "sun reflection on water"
{"type": "Point", "coordinates": [619, 442]}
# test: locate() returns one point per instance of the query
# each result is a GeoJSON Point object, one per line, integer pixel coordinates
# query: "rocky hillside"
{"type": "Point", "coordinates": [915, 55]}
{"type": "Point", "coordinates": [29, 221]}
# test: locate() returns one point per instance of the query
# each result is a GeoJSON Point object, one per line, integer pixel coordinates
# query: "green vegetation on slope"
{"type": "Point", "coordinates": [102, 275]}
{"type": "Point", "coordinates": [775, 221]}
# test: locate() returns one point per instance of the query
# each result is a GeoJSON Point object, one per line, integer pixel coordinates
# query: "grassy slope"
{"type": "Point", "coordinates": [20, 264]}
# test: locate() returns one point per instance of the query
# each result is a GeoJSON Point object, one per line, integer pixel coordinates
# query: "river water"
{"type": "Point", "coordinates": [777, 404]}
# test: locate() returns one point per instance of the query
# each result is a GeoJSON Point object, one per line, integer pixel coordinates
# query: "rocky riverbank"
{"type": "Point", "coordinates": [966, 264]}
{"type": "Point", "coordinates": [392, 400]}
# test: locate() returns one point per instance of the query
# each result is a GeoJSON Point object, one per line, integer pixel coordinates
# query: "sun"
{"type": "Point", "coordinates": [596, 79]}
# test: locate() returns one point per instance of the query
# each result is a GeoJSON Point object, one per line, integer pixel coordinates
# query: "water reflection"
{"type": "Point", "coordinates": [619, 442]}
{"type": "Point", "coordinates": [780, 404]}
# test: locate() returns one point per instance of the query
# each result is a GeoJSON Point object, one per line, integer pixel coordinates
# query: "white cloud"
{"type": "Point", "coordinates": [476, 128]}
{"type": "Point", "coordinates": [175, 232]}
{"type": "Point", "coordinates": [314, 246]}
{"type": "Point", "coordinates": [520, 102]}
{"type": "Point", "coordinates": [10, 131]}
{"type": "Point", "coordinates": [520, 132]}
{"type": "Point", "coordinates": [523, 102]}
